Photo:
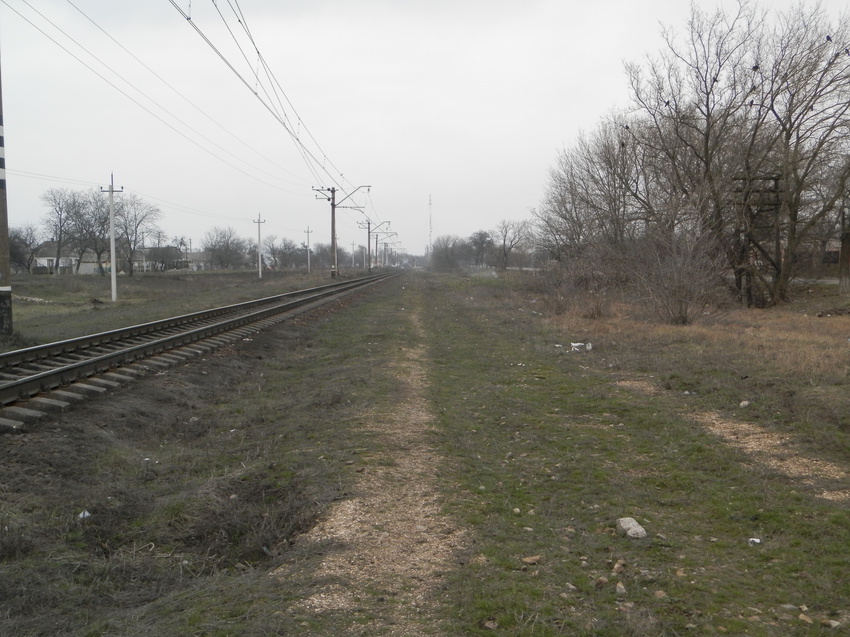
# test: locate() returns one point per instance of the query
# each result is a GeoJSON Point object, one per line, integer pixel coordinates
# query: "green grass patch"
{"type": "Point", "coordinates": [545, 453]}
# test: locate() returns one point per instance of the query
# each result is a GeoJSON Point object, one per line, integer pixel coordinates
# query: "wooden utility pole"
{"type": "Point", "coordinates": [5, 265]}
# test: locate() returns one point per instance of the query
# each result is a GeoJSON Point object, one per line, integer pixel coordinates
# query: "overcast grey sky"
{"type": "Point", "coordinates": [465, 102]}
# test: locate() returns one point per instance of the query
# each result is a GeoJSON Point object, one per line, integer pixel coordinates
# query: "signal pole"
{"type": "Point", "coordinates": [5, 265]}
{"type": "Point", "coordinates": [114, 273]}
{"type": "Point", "coordinates": [259, 223]}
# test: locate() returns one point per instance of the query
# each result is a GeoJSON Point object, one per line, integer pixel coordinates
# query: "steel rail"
{"type": "Point", "coordinates": [68, 346]}
{"type": "Point", "coordinates": [191, 328]}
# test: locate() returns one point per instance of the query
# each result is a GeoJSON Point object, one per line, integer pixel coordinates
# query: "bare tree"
{"type": "Point", "coordinates": [481, 242]}
{"type": "Point", "coordinates": [24, 244]}
{"type": "Point", "coordinates": [182, 244]}
{"type": "Point", "coordinates": [806, 90]}
{"type": "Point", "coordinates": [739, 134]}
{"type": "Point", "coordinates": [61, 203]}
{"type": "Point", "coordinates": [272, 249]}
{"type": "Point", "coordinates": [88, 227]}
{"type": "Point", "coordinates": [446, 252]}
{"type": "Point", "coordinates": [226, 249]}
{"type": "Point", "coordinates": [691, 102]}
{"type": "Point", "coordinates": [510, 235]}
{"type": "Point", "coordinates": [564, 226]}
{"type": "Point", "coordinates": [289, 253]}
{"type": "Point", "coordinates": [135, 222]}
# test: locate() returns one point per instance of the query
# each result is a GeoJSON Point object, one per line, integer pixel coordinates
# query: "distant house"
{"type": "Point", "coordinates": [199, 260]}
{"type": "Point", "coordinates": [69, 262]}
{"type": "Point", "coordinates": [45, 260]}
{"type": "Point", "coordinates": [146, 260]}
{"type": "Point", "coordinates": [168, 258]}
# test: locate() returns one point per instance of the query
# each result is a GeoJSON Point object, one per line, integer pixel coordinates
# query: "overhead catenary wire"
{"type": "Point", "coordinates": [278, 110]}
{"type": "Point", "coordinates": [177, 92]}
{"type": "Point", "coordinates": [310, 157]}
{"type": "Point", "coordinates": [127, 95]}
{"type": "Point", "coordinates": [268, 90]}
{"type": "Point", "coordinates": [302, 149]}
{"type": "Point", "coordinates": [271, 76]}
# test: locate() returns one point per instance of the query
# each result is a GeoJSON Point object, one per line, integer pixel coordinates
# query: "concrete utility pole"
{"type": "Point", "coordinates": [332, 199]}
{"type": "Point", "coordinates": [369, 242]}
{"type": "Point", "coordinates": [5, 265]}
{"type": "Point", "coordinates": [114, 272]}
{"type": "Point", "coordinates": [367, 260]}
{"type": "Point", "coordinates": [369, 245]}
{"type": "Point", "coordinates": [334, 205]}
{"type": "Point", "coordinates": [259, 223]}
{"type": "Point", "coordinates": [386, 233]}
{"type": "Point", "coordinates": [308, 232]}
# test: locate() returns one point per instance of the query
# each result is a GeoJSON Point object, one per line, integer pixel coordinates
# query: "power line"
{"type": "Point", "coordinates": [130, 97]}
{"type": "Point", "coordinates": [270, 74]}
{"type": "Point", "coordinates": [224, 59]}
{"type": "Point", "coordinates": [181, 95]}
{"type": "Point", "coordinates": [309, 156]}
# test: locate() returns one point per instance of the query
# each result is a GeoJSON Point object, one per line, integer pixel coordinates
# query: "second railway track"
{"type": "Point", "coordinates": [52, 376]}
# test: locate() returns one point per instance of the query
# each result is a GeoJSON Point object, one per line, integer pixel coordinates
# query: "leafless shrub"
{"type": "Point", "coordinates": [584, 285]}
{"type": "Point", "coordinates": [677, 279]}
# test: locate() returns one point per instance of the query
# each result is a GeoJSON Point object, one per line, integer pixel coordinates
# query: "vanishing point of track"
{"type": "Point", "coordinates": [51, 377]}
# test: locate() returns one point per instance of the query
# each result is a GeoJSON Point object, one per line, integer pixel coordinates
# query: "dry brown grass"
{"type": "Point", "coordinates": [793, 343]}
{"type": "Point", "coordinates": [772, 383]}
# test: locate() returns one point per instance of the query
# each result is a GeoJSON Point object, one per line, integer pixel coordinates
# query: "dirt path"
{"type": "Point", "coordinates": [394, 540]}
{"type": "Point", "coordinates": [779, 452]}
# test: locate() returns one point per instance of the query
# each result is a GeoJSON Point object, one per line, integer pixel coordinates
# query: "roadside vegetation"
{"type": "Point", "coordinates": [728, 441]}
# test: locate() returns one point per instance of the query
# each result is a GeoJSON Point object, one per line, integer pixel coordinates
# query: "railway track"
{"type": "Point", "coordinates": [51, 377]}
